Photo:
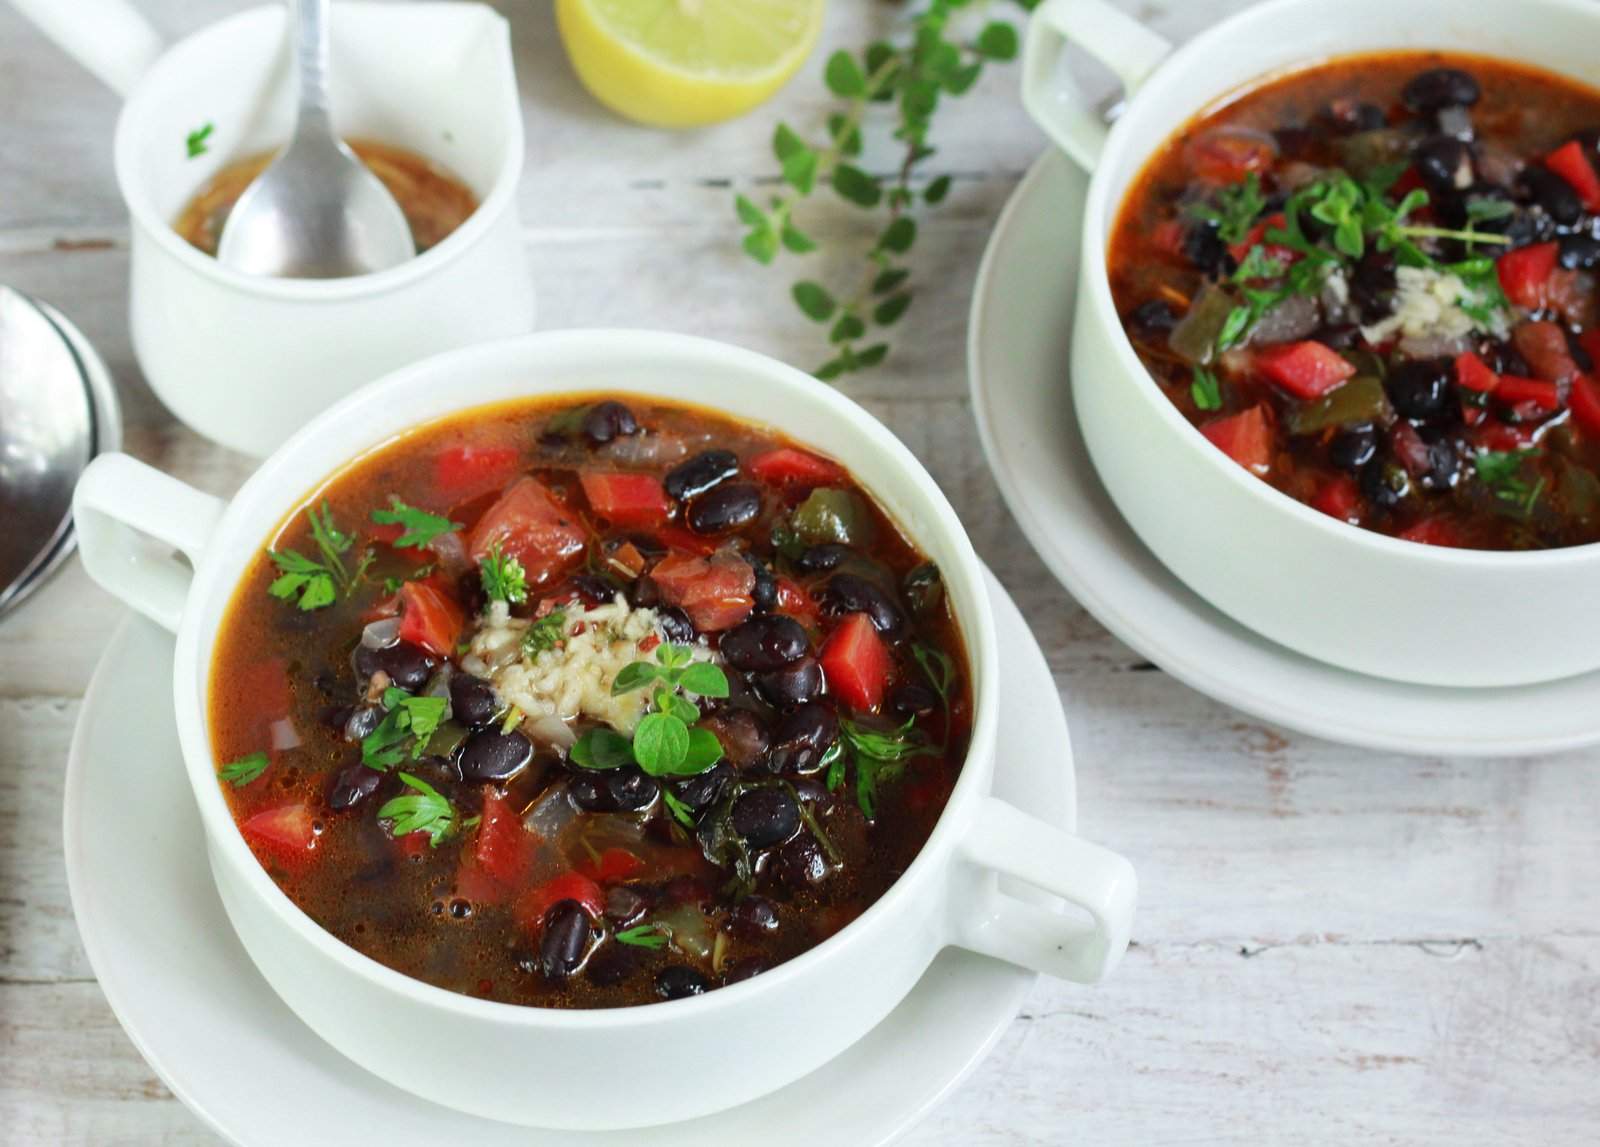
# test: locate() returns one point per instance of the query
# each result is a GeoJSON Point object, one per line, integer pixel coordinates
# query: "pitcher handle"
{"type": "Point", "coordinates": [110, 38]}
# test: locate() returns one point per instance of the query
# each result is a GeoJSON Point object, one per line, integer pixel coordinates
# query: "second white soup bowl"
{"type": "Point", "coordinates": [1344, 595]}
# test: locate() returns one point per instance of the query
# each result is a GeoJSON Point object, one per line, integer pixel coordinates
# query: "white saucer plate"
{"type": "Point", "coordinates": [1018, 351]}
{"type": "Point", "coordinates": [209, 1025]}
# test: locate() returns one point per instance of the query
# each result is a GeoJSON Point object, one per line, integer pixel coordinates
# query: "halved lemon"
{"type": "Point", "coordinates": [683, 63]}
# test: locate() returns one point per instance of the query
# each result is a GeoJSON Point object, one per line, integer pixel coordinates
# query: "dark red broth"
{"type": "Point", "coordinates": [508, 863]}
{"type": "Point", "coordinates": [1372, 283]}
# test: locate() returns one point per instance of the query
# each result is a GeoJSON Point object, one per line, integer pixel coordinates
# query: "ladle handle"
{"type": "Point", "coordinates": [108, 37]}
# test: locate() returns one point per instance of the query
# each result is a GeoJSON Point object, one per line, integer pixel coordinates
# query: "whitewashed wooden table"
{"type": "Point", "coordinates": [1333, 946]}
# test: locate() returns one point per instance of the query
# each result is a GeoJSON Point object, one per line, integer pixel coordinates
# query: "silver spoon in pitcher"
{"type": "Point", "coordinates": [316, 212]}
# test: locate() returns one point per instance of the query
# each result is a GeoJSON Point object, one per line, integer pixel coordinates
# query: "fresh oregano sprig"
{"type": "Point", "coordinates": [912, 73]}
{"type": "Point", "coordinates": [667, 742]}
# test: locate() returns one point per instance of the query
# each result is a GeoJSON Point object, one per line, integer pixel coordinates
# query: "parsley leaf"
{"type": "Point", "coordinates": [420, 526]}
{"type": "Point", "coordinates": [426, 810]}
{"type": "Point", "coordinates": [246, 769]}
{"type": "Point", "coordinates": [504, 579]}
{"type": "Point", "coordinates": [643, 936]}
{"type": "Point", "coordinates": [681, 812]}
{"type": "Point", "coordinates": [404, 730]}
{"type": "Point", "coordinates": [1502, 472]}
{"type": "Point", "coordinates": [1233, 209]}
{"type": "Point", "coordinates": [877, 756]}
{"type": "Point", "coordinates": [546, 632]}
{"type": "Point", "coordinates": [318, 583]}
{"type": "Point", "coordinates": [1206, 389]}
{"type": "Point", "coordinates": [195, 142]}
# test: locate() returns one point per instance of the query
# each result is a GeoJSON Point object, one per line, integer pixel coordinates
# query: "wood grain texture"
{"type": "Point", "coordinates": [1333, 945]}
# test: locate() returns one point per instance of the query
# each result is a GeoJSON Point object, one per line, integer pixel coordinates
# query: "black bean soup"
{"type": "Point", "coordinates": [1373, 284]}
{"type": "Point", "coordinates": [586, 704]}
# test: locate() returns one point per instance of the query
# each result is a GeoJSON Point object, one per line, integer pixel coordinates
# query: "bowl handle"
{"type": "Point", "coordinates": [1006, 841]}
{"type": "Point", "coordinates": [108, 37]}
{"type": "Point", "coordinates": [1117, 40]}
{"type": "Point", "coordinates": [130, 519]}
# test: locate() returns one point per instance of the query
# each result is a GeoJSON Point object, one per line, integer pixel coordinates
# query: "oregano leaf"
{"type": "Point", "coordinates": [843, 76]}
{"type": "Point", "coordinates": [814, 300]}
{"type": "Point", "coordinates": [856, 185]}
{"type": "Point", "coordinates": [889, 311]}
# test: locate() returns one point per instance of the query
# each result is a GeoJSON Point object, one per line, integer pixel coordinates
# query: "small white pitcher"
{"type": "Point", "coordinates": [247, 360]}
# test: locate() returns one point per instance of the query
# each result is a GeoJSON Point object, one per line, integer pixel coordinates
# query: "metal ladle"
{"type": "Point", "coordinates": [316, 212]}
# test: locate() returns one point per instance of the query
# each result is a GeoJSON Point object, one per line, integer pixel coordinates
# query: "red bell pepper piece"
{"type": "Point", "coordinates": [430, 618]}
{"type": "Point", "coordinates": [1432, 532]}
{"type": "Point", "coordinates": [462, 470]}
{"type": "Point", "coordinates": [1572, 163]}
{"type": "Point", "coordinates": [1514, 391]}
{"type": "Point", "coordinates": [1305, 369]}
{"type": "Point", "coordinates": [1586, 403]}
{"type": "Point", "coordinates": [626, 499]}
{"type": "Point", "coordinates": [1245, 437]}
{"type": "Point", "coordinates": [856, 663]}
{"type": "Point", "coordinates": [787, 466]}
{"type": "Point", "coordinates": [284, 834]}
{"type": "Point", "coordinates": [1525, 274]}
{"type": "Point", "coordinates": [1472, 373]}
{"type": "Point", "coordinates": [1339, 497]}
{"type": "Point", "coordinates": [613, 865]}
{"type": "Point", "coordinates": [530, 908]}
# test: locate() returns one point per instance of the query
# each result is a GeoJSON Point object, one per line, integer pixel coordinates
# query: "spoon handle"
{"type": "Point", "coordinates": [311, 49]}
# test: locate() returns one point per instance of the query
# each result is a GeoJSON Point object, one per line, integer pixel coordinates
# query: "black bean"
{"type": "Point", "coordinates": [1203, 247]}
{"type": "Point", "coordinates": [705, 470]}
{"type": "Point", "coordinates": [764, 593]}
{"type": "Point", "coordinates": [1529, 226]}
{"type": "Point", "coordinates": [792, 685]}
{"type": "Point", "coordinates": [810, 790]}
{"type": "Point", "coordinates": [1349, 117]}
{"type": "Point", "coordinates": [1372, 284]}
{"type": "Point", "coordinates": [1421, 388]}
{"type": "Point", "coordinates": [847, 593]}
{"type": "Point", "coordinates": [817, 559]}
{"type": "Point", "coordinates": [1150, 319]}
{"type": "Point", "coordinates": [801, 737]}
{"type": "Point", "coordinates": [1580, 252]}
{"type": "Point", "coordinates": [1458, 209]}
{"type": "Point", "coordinates": [472, 700]}
{"type": "Point", "coordinates": [724, 508]}
{"type": "Point", "coordinates": [592, 590]}
{"type": "Point", "coordinates": [1552, 194]}
{"type": "Point", "coordinates": [351, 785]}
{"type": "Point", "coordinates": [1385, 484]}
{"type": "Point", "coordinates": [800, 865]}
{"type": "Point", "coordinates": [1444, 465]}
{"type": "Point", "coordinates": [764, 643]}
{"type": "Point", "coordinates": [361, 721]}
{"type": "Point", "coordinates": [765, 817]}
{"type": "Point", "coordinates": [676, 626]}
{"type": "Point", "coordinates": [1343, 337]}
{"type": "Point", "coordinates": [1440, 88]}
{"type": "Point", "coordinates": [912, 698]}
{"type": "Point", "coordinates": [490, 755]}
{"type": "Point", "coordinates": [625, 904]}
{"type": "Point", "coordinates": [565, 940]}
{"type": "Point", "coordinates": [677, 981]}
{"type": "Point", "coordinates": [608, 420]}
{"type": "Point", "coordinates": [701, 790]}
{"type": "Point", "coordinates": [408, 666]}
{"type": "Point", "coordinates": [1444, 164]}
{"type": "Point", "coordinates": [753, 918]}
{"type": "Point", "coordinates": [625, 789]}
{"type": "Point", "coordinates": [1504, 358]}
{"type": "Point", "coordinates": [1352, 449]}
{"type": "Point", "coordinates": [741, 970]}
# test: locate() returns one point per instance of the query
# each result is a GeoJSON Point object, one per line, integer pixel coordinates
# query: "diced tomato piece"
{"type": "Point", "coordinates": [501, 856]}
{"type": "Point", "coordinates": [795, 602]}
{"type": "Point", "coordinates": [1571, 163]}
{"type": "Point", "coordinates": [1433, 532]}
{"type": "Point", "coordinates": [1228, 154]}
{"type": "Point", "coordinates": [1500, 437]}
{"type": "Point", "coordinates": [1513, 391]}
{"type": "Point", "coordinates": [1525, 274]}
{"type": "Point", "coordinates": [284, 833]}
{"type": "Point", "coordinates": [1544, 345]}
{"type": "Point", "coordinates": [715, 592]}
{"type": "Point", "coordinates": [789, 467]}
{"type": "Point", "coordinates": [614, 864]}
{"type": "Point", "coordinates": [1586, 403]}
{"type": "Point", "coordinates": [414, 845]}
{"type": "Point", "coordinates": [1472, 373]}
{"type": "Point", "coordinates": [1409, 449]}
{"type": "Point", "coordinates": [1339, 497]}
{"type": "Point", "coordinates": [529, 524]}
{"type": "Point", "coordinates": [530, 908]}
{"type": "Point", "coordinates": [459, 471]}
{"type": "Point", "coordinates": [626, 499]}
{"type": "Point", "coordinates": [1168, 237]}
{"type": "Point", "coordinates": [1245, 437]}
{"type": "Point", "coordinates": [678, 538]}
{"type": "Point", "coordinates": [1305, 369]}
{"type": "Point", "coordinates": [856, 663]}
{"type": "Point", "coordinates": [430, 618]}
